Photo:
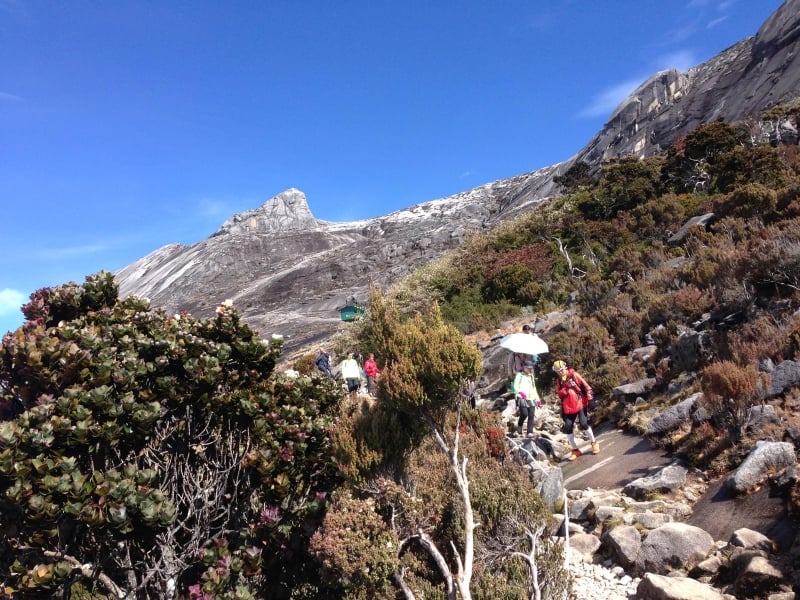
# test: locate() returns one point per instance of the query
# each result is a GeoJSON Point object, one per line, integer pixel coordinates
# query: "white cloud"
{"type": "Point", "coordinates": [606, 101]}
{"type": "Point", "coordinates": [5, 96]}
{"type": "Point", "coordinates": [218, 210]}
{"type": "Point", "coordinates": [11, 300]}
{"type": "Point", "coordinates": [716, 22]}
{"type": "Point", "coordinates": [72, 251]}
{"type": "Point", "coordinates": [680, 59]}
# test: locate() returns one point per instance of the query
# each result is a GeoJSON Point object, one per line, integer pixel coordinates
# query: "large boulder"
{"type": "Point", "coordinates": [765, 459]}
{"type": "Point", "coordinates": [674, 416]}
{"type": "Point", "coordinates": [785, 375]}
{"type": "Point", "coordinates": [668, 479]}
{"type": "Point", "coordinates": [658, 587]}
{"type": "Point", "coordinates": [623, 544]}
{"type": "Point", "coordinates": [673, 546]}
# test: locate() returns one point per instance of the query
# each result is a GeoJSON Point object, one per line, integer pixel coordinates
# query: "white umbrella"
{"type": "Point", "coordinates": [524, 343]}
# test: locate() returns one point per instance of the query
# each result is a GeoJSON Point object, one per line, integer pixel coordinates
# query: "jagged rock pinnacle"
{"type": "Point", "coordinates": [285, 212]}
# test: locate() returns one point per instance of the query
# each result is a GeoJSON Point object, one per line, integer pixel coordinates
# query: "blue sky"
{"type": "Point", "coordinates": [125, 126]}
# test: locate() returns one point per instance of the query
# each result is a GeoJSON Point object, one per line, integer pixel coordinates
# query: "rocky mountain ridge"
{"type": "Point", "coordinates": [288, 272]}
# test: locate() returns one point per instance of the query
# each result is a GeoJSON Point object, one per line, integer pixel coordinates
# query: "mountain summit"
{"type": "Point", "coordinates": [288, 272]}
{"type": "Point", "coordinates": [285, 212]}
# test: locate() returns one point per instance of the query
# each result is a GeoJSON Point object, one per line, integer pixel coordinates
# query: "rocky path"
{"type": "Point", "coordinates": [646, 489]}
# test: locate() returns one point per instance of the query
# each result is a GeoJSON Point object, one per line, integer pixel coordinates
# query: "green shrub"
{"type": "Point", "coordinates": [155, 447]}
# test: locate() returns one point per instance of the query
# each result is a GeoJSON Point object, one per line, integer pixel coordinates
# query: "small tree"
{"type": "Point", "coordinates": [410, 451]}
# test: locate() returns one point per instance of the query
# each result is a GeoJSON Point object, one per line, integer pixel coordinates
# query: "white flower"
{"type": "Point", "coordinates": [277, 336]}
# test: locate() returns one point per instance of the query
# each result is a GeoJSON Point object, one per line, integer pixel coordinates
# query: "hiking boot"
{"type": "Point", "coordinates": [595, 448]}
{"type": "Point", "coordinates": [574, 454]}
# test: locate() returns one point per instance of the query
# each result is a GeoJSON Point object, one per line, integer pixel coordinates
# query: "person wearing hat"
{"type": "Point", "coordinates": [526, 396]}
{"type": "Point", "coordinates": [575, 394]}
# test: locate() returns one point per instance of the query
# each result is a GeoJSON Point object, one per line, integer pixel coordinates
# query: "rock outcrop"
{"type": "Point", "coordinates": [288, 272]}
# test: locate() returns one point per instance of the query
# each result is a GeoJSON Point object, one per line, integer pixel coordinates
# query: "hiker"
{"type": "Point", "coordinates": [524, 388]}
{"type": "Point", "coordinates": [516, 360]}
{"type": "Point", "coordinates": [323, 362]}
{"type": "Point", "coordinates": [466, 391]}
{"type": "Point", "coordinates": [372, 371]}
{"type": "Point", "coordinates": [351, 373]}
{"type": "Point", "coordinates": [575, 394]}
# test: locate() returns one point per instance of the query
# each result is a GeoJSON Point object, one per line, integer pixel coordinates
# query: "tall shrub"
{"type": "Point", "coordinates": [153, 453]}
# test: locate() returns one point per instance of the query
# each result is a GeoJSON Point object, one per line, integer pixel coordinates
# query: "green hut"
{"type": "Point", "coordinates": [350, 312]}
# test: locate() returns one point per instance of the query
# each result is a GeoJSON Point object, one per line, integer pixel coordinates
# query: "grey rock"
{"type": "Point", "coordinates": [667, 479]}
{"type": "Point", "coordinates": [764, 459]}
{"type": "Point", "coordinates": [645, 354]}
{"type": "Point", "coordinates": [673, 546]}
{"type": "Point", "coordinates": [648, 520]}
{"type": "Point", "coordinates": [583, 546]}
{"type": "Point", "coordinates": [658, 587]}
{"type": "Point", "coordinates": [698, 221]}
{"type": "Point", "coordinates": [792, 434]}
{"type": "Point", "coordinates": [689, 350]}
{"type": "Point", "coordinates": [709, 567]}
{"type": "Point", "coordinates": [785, 375]}
{"type": "Point", "coordinates": [674, 416]}
{"type": "Point", "coordinates": [603, 513]}
{"type": "Point", "coordinates": [636, 388]}
{"type": "Point", "coordinates": [755, 575]}
{"type": "Point", "coordinates": [623, 544]}
{"type": "Point", "coordinates": [760, 415]}
{"type": "Point", "coordinates": [747, 538]}
{"type": "Point", "coordinates": [578, 509]}
{"type": "Point", "coordinates": [747, 73]}
{"type": "Point", "coordinates": [552, 488]}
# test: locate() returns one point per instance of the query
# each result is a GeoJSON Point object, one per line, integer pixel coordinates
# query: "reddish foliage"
{"type": "Point", "coordinates": [537, 257]}
{"type": "Point", "coordinates": [495, 440]}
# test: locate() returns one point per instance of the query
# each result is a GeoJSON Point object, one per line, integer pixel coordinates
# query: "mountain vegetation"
{"type": "Point", "coordinates": [648, 251]}
{"type": "Point", "coordinates": [153, 455]}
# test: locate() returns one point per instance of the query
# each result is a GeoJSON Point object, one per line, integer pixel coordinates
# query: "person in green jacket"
{"type": "Point", "coordinates": [524, 388]}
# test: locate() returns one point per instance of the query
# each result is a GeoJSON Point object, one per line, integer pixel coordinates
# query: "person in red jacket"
{"type": "Point", "coordinates": [371, 370]}
{"type": "Point", "coordinates": [575, 394]}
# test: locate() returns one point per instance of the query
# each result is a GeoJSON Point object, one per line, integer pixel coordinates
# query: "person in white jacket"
{"type": "Point", "coordinates": [526, 396]}
{"type": "Point", "coordinates": [351, 373]}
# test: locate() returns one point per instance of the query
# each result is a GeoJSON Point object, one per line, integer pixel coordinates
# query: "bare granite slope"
{"type": "Point", "coordinates": [288, 272]}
